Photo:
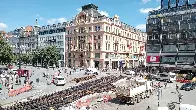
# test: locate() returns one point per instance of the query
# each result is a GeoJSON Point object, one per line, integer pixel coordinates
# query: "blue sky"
{"type": "Point", "coordinates": [17, 13]}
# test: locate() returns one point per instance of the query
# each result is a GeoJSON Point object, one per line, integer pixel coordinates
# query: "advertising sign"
{"type": "Point", "coordinates": [152, 59]}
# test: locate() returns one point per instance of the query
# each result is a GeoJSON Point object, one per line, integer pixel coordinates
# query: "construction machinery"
{"type": "Point", "coordinates": [132, 91]}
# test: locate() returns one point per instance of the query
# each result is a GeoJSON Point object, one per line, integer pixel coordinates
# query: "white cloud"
{"type": "Point", "coordinates": [56, 20]}
{"type": "Point", "coordinates": [3, 26]}
{"type": "Point", "coordinates": [146, 10]}
{"type": "Point", "coordinates": [141, 26]}
{"type": "Point", "coordinates": [158, 0]}
{"type": "Point", "coordinates": [145, 1]}
{"type": "Point", "coordinates": [79, 9]}
{"type": "Point", "coordinates": [101, 12]}
{"type": "Point", "coordinates": [39, 17]}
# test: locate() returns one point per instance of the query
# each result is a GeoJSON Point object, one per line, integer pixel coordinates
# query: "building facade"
{"type": "Point", "coordinates": [54, 35]}
{"type": "Point", "coordinates": [95, 40]}
{"type": "Point", "coordinates": [171, 34]}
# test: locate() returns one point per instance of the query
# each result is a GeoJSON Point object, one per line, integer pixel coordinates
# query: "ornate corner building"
{"type": "Point", "coordinates": [94, 40]}
{"type": "Point", "coordinates": [172, 34]}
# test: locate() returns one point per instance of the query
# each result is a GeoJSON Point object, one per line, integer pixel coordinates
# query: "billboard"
{"type": "Point", "coordinates": [152, 59]}
{"type": "Point", "coordinates": [172, 3]}
{"type": "Point", "coordinates": [165, 4]}
{"type": "Point", "coordinates": [190, 2]}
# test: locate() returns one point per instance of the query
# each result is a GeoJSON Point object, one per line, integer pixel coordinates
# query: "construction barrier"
{"type": "Point", "coordinates": [19, 91]}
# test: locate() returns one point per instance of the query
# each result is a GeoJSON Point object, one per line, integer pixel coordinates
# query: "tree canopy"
{"type": "Point", "coordinates": [46, 56]}
{"type": "Point", "coordinates": [6, 53]}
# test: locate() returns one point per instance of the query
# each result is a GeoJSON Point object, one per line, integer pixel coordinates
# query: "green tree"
{"type": "Point", "coordinates": [6, 54]}
{"type": "Point", "coordinates": [52, 55]}
{"type": "Point", "coordinates": [26, 58]}
{"type": "Point", "coordinates": [46, 56]}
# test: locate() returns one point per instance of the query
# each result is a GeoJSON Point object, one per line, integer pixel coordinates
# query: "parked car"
{"type": "Point", "coordinates": [188, 86]}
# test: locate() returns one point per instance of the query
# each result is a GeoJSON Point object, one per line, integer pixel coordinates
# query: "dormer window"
{"type": "Point", "coordinates": [54, 25]}
{"type": "Point", "coordinates": [43, 27]}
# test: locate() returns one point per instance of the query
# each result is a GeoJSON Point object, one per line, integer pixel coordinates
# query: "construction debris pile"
{"type": "Point", "coordinates": [81, 79]}
{"type": "Point", "coordinates": [61, 98]}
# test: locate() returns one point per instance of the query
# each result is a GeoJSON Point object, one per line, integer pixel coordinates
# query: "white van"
{"type": "Point", "coordinates": [169, 77]}
{"type": "Point", "coordinates": [59, 80]}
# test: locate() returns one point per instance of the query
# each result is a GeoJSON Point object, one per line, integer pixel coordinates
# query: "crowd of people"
{"type": "Point", "coordinates": [61, 98]}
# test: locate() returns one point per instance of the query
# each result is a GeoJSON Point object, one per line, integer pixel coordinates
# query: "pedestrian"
{"type": "Point", "coordinates": [165, 84]}
{"type": "Point", "coordinates": [177, 88]}
{"type": "Point", "coordinates": [180, 97]}
{"type": "Point", "coordinates": [148, 108]}
{"type": "Point", "coordinates": [19, 82]}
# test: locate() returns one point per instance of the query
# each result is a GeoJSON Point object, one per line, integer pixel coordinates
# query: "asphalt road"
{"type": "Point", "coordinates": [168, 95]}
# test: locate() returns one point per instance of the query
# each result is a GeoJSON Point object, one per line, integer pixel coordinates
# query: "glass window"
{"type": "Point", "coordinates": [186, 59]}
{"type": "Point", "coordinates": [169, 48]}
{"type": "Point", "coordinates": [172, 36]}
{"type": "Point", "coordinates": [172, 3]}
{"type": "Point", "coordinates": [97, 55]}
{"type": "Point", "coordinates": [192, 25]}
{"type": "Point", "coordinates": [186, 17]}
{"type": "Point", "coordinates": [165, 4]}
{"type": "Point", "coordinates": [191, 2]}
{"type": "Point", "coordinates": [168, 59]}
{"type": "Point", "coordinates": [184, 26]}
{"type": "Point", "coordinates": [153, 48]}
{"type": "Point", "coordinates": [182, 2]}
{"type": "Point", "coordinates": [193, 16]}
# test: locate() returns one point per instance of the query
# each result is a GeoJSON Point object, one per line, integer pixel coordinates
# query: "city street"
{"type": "Point", "coordinates": [41, 88]}
{"type": "Point", "coordinates": [168, 96]}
